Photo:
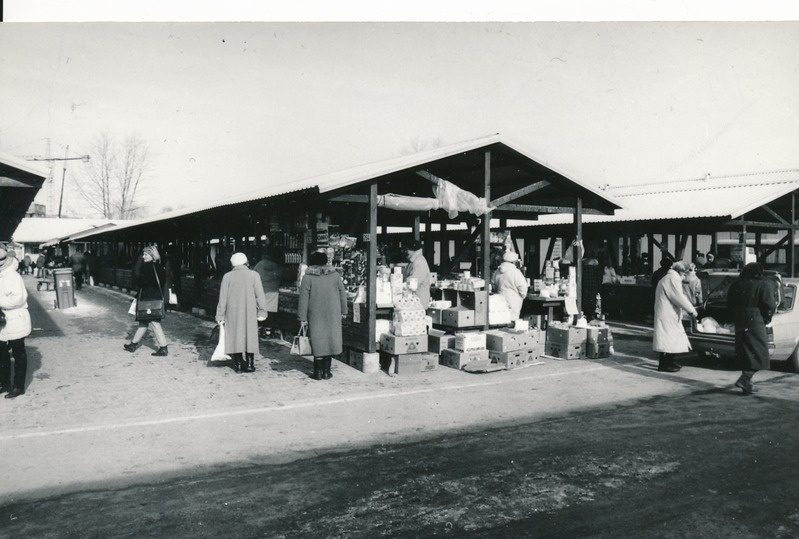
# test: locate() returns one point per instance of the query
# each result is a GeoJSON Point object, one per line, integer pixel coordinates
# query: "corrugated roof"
{"type": "Point", "coordinates": [712, 197]}
{"type": "Point", "coordinates": [38, 230]}
{"type": "Point", "coordinates": [362, 173]}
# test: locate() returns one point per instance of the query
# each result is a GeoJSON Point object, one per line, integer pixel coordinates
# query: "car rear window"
{"type": "Point", "coordinates": [716, 285]}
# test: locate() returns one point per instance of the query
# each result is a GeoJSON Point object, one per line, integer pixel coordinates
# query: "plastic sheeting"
{"type": "Point", "coordinates": [449, 197]}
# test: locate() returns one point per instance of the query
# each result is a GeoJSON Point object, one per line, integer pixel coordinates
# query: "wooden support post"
{"type": "Point", "coordinates": [486, 233]}
{"type": "Point", "coordinates": [578, 255]}
{"type": "Point", "coordinates": [792, 240]}
{"type": "Point", "coordinates": [371, 281]}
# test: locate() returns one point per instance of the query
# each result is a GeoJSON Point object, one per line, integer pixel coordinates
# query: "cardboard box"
{"type": "Point", "coordinates": [567, 335]}
{"type": "Point", "coordinates": [457, 317]}
{"type": "Point", "coordinates": [503, 340]}
{"type": "Point", "coordinates": [597, 350]}
{"type": "Point", "coordinates": [439, 340]}
{"type": "Point", "coordinates": [597, 334]}
{"type": "Point", "coordinates": [514, 359]}
{"type": "Point", "coordinates": [366, 362]}
{"type": "Point", "coordinates": [435, 314]}
{"type": "Point", "coordinates": [396, 344]}
{"type": "Point", "coordinates": [474, 340]}
{"type": "Point", "coordinates": [409, 329]}
{"type": "Point", "coordinates": [565, 351]}
{"type": "Point", "coordinates": [457, 359]}
{"type": "Point", "coordinates": [409, 316]}
{"type": "Point", "coordinates": [414, 363]}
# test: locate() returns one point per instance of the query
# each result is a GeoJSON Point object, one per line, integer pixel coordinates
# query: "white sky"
{"type": "Point", "coordinates": [228, 107]}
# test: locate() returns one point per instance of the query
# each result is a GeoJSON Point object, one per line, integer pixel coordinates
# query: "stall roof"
{"type": "Point", "coordinates": [20, 181]}
{"type": "Point", "coordinates": [711, 197]}
{"type": "Point", "coordinates": [459, 163]}
{"type": "Point", "coordinates": [41, 230]}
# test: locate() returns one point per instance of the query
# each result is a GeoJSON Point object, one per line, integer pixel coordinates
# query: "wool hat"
{"type": "Point", "coordinates": [238, 259]}
{"type": "Point", "coordinates": [510, 256]}
{"type": "Point", "coordinates": [152, 250]}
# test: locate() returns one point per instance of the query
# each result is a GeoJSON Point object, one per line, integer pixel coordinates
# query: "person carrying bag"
{"type": "Point", "coordinates": [148, 274]}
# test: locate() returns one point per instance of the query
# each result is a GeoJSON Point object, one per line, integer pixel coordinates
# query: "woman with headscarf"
{"type": "Point", "coordinates": [509, 282]}
{"type": "Point", "coordinates": [752, 302]}
{"type": "Point", "coordinates": [322, 305]}
{"type": "Point", "coordinates": [669, 335]}
{"type": "Point", "coordinates": [14, 304]}
{"type": "Point", "coordinates": [692, 285]}
{"type": "Point", "coordinates": [241, 305]}
{"type": "Point", "coordinates": [151, 277]}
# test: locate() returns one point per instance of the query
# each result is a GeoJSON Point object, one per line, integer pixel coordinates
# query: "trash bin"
{"type": "Point", "coordinates": [64, 290]}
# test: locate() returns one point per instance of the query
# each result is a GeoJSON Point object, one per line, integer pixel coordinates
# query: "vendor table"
{"type": "Point", "coordinates": [535, 304]}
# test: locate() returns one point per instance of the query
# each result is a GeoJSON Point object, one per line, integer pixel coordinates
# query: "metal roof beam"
{"type": "Point", "coordinates": [533, 208]}
{"type": "Point", "coordinates": [520, 193]}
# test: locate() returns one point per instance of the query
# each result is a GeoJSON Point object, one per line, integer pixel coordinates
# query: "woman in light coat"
{"type": "Point", "coordinates": [14, 304]}
{"type": "Point", "coordinates": [669, 335]}
{"type": "Point", "coordinates": [510, 283]}
{"type": "Point", "coordinates": [322, 305]}
{"type": "Point", "coordinates": [241, 305]}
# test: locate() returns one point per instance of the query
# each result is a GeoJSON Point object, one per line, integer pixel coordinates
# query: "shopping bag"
{"type": "Point", "coordinates": [132, 308]}
{"type": "Point", "coordinates": [302, 344]}
{"type": "Point", "coordinates": [173, 298]}
{"type": "Point", "coordinates": [219, 352]}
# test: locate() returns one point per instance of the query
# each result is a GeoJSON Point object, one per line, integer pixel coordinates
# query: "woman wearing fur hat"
{"type": "Point", "coordinates": [14, 304]}
{"type": "Point", "coordinates": [242, 304]}
{"type": "Point", "coordinates": [152, 279]}
{"type": "Point", "coordinates": [322, 305]}
{"type": "Point", "coordinates": [509, 282]}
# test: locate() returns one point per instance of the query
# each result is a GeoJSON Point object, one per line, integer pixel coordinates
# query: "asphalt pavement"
{"type": "Point", "coordinates": [96, 416]}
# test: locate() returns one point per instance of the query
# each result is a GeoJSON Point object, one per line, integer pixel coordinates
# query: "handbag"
{"type": "Point", "coordinates": [301, 346]}
{"type": "Point", "coordinates": [150, 310]}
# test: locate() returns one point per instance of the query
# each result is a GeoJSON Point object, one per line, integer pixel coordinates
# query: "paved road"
{"type": "Point", "coordinates": [389, 454]}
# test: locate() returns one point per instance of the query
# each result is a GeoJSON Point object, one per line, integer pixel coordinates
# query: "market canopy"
{"type": "Point", "coordinates": [522, 187]}
{"type": "Point", "coordinates": [20, 181]}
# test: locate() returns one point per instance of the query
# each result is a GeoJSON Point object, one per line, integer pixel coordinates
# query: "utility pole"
{"type": "Point", "coordinates": [63, 177]}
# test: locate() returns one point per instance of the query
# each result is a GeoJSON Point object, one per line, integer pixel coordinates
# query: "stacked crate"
{"type": "Point", "coordinates": [566, 342]}
{"type": "Point", "coordinates": [404, 349]}
{"type": "Point", "coordinates": [597, 342]}
{"type": "Point", "coordinates": [470, 347]}
{"type": "Point", "coordinates": [513, 349]}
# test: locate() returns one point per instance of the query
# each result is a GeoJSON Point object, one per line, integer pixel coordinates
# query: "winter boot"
{"type": "Point", "coordinates": [132, 346]}
{"type": "Point", "coordinates": [666, 363]}
{"type": "Point", "coordinates": [318, 366]}
{"type": "Point", "coordinates": [162, 351]}
{"type": "Point", "coordinates": [327, 375]}
{"type": "Point", "coordinates": [250, 366]}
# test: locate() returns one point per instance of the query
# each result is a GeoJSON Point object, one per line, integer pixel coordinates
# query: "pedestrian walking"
{"type": "Point", "coordinates": [241, 305]}
{"type": "Point", "coordinates": [78, 263]}
{"type": "Point", "coordinates": [322, 306]}
{"type": "Point", "coordinates": [271, 273]}
{"type": "Point", "coordinates": [151, 277]}
{"type": "Point", "coordinates": [669, 335]}
{"type": "Point", "coordinates": [751, 299]}
{"type": "Point", "coordinates": [17, 326]}
{"type": "Point", "coordinates": [509, 282]}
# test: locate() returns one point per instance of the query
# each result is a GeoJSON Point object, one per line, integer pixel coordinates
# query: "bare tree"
{"type": "Point", "coordinates": [115, 175]}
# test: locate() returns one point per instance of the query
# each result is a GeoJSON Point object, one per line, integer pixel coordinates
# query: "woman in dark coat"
{"type": "Point", "coordinates": [151, 278]}
{"type": "Point", "coordinates": [241, 305]}
{"type": "Point", "coordinates": [322, 305]}
{"type": "Point", "coordinates": [752, 303]}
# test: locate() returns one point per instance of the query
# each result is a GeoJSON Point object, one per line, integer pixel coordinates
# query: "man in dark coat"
{"type": "Point", "coordinates": [752, 302]}
{"type": "Point", "coordinates": [78, 263]}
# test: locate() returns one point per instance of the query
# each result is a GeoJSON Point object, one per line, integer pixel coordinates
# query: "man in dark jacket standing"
{"type": "Point", "coordinates": [752, 302]}
{"type": "Point", "coordinates": [78, 263]}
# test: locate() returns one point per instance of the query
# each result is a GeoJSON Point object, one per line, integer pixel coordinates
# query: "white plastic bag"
{"type": "Point", "coordinates": [219, 352]}
{"type": "Point", "coordinates": [132, 309]}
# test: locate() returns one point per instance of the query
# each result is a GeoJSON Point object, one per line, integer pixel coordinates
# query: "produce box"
{"type": "Point", "coordinates": [411, 363]}
{"type": "Point", "coordinates": [565, 351]}
{"type": "Point", "coordinates": [597, 334]}
{"type": "Point", "coordinates": [408, 329]}
{"type": "Point", "coordinates": [473, 340]}
{"type": "Point", "coordinates": [566, 335]}
{"type": "Point", "coordinates": [458, 317]}
{"type": "Point", "coordinates": [504, 340]}
{"type": "Point", "coordinates": [597, 350]}
{"type": "Point", "coordinates": [367, 362]}
{"type": "Point", "coordinates": [457, 359]}
{"type": "Point", "coordinates": [397, 344]}
{"type": "Point", "coordinates": [435, 314]}
{"type": "Point", "coordinates": [438, 340]}
{"type": "Point", "coordinates": [515, 358]}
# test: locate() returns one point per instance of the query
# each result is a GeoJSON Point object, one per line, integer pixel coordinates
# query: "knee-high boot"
{"type": "Point", "coordinates": [327, 374]}
{"type": "Point", "coordinates": [317, 368]}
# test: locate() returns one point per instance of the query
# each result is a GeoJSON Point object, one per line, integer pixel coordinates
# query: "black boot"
{"type": "Point", "coordinates": [132, 346]}
{"type": "Point", "coordinates": [15, 392]}
{"type": "Point", "coordinates": [327, 374]}
{"type": "Point", "coordinates": [317, 368]}
{"type": "Point", "coordinates": [666, 363]}
{"type": "Point", "coordinates": [162, 351]}
{"type": "Point", "coordinates": [250, 366]}
{"type": "Point", "coordinates": [238, 362]}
